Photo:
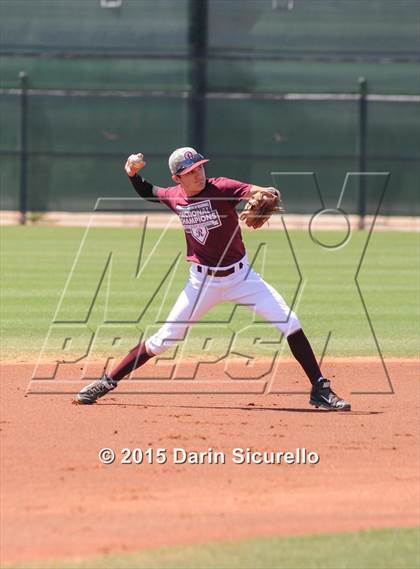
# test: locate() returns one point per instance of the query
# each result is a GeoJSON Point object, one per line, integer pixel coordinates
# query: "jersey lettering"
{"type": "Point", "coordinates": [198, 219]}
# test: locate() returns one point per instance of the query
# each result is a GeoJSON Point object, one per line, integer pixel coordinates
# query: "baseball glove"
{"type": "Point", "coordinates": [260, 207]}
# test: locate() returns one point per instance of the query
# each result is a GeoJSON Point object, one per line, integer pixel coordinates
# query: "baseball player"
{"type": "Point", "coordinates": [219, 268]}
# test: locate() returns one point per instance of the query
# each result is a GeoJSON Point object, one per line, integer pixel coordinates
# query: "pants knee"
{"type": "Point", "coordinates": [165, 338]}
{"type": "Point", "coordinates": [292, 325]}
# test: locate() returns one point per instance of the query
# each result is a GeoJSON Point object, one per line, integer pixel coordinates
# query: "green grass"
{"type": "Point", "coordinates": [378, 549]}
{"type": "Point", "coordinates": [36, 263]}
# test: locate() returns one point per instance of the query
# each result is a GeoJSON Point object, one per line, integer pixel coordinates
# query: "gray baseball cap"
{"type": "Point", "coordinates": [183, 160]}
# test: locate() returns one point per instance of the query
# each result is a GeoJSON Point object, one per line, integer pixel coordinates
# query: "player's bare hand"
{"type": "Point", "coordinates": [135, 162]}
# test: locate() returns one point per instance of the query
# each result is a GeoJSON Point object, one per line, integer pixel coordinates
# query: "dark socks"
{"type": "Point", "coordinates": [298, 342]}
{"type": "Point", "coordinates": [134, 359]}
{"type": "Point", "coordinates": [301, 349]}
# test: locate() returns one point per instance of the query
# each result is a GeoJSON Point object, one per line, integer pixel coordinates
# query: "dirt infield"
{"type": "Point", "coordinates": [58, 500]}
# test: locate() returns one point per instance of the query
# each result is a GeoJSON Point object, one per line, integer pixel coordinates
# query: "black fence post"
{"type": "Point", "coordinates": [198, 42]}
{"type": "Point", "coordinates": [23, 146]}
{"type": "Point", "coordinates": [361, 149]}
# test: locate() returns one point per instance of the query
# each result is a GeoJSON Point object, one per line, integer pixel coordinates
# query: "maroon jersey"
{"type": "Point", "coordinates": [210, 220]}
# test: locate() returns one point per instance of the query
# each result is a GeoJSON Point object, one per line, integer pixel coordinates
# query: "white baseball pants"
{"type": "Point", "coordinates": [203, 292]}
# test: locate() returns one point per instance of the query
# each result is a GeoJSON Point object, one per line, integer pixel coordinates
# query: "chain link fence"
{"type": "Point", "coordinates": [261, 86]}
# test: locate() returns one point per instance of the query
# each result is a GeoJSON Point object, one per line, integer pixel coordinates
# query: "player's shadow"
{"type": "Point", "coordinates": [242, 408]}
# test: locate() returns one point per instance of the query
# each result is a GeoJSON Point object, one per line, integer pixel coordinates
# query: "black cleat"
{"type": "Point", "coordinates": [323, 396]}
{"type": "Point", "coordinates": [90, 393]}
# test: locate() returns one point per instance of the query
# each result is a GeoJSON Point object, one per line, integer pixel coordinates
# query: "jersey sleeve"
{"type": "Point", "coordinates": [165, 196]}
{"type": "Point", "coordinates": [233, 189]}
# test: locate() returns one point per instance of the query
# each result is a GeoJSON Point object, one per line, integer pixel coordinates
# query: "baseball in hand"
{"type": "Point", "coordinates": [136, 160]}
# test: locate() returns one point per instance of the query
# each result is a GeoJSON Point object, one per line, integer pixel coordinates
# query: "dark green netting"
{"type": "Point", "coordinates": [316, 27]}
{"type": "Point", "coordinates": [77, 144]}
{"type": "Point", "coordinates": [83, 26]}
